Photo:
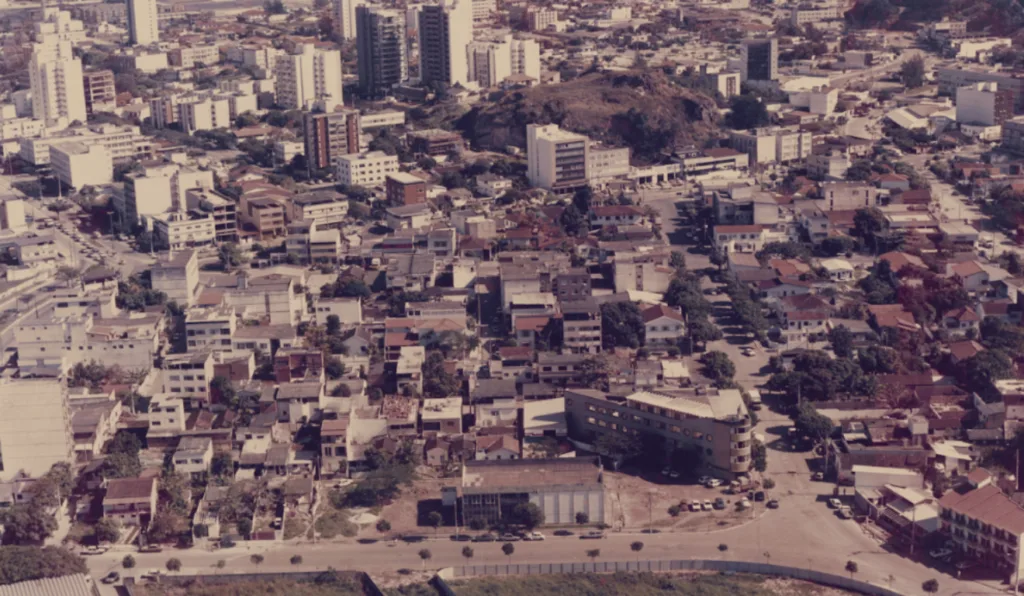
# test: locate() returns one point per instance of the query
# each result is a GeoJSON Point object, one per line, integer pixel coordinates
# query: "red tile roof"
{"type": "Point", "coordinates": [988, 505]}
{"type": "Point", "coordinates": [656, 312]}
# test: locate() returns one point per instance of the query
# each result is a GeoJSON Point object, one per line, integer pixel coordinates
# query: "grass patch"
{"type": "Point", "coordinates": [333, 522]}
{"type": "Point", "coordinates": [293, 528]}
{"type": "Point", "coordinates": [338, 584]}
{"type": "Point", "coordinates": [619, 584]}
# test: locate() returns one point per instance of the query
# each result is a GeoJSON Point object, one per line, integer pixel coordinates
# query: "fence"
{"type": "Point", "coordinates": [818, 577]}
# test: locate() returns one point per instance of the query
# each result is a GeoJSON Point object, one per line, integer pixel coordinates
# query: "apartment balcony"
{"type": "Point", "coordinates": [739, 467]}
{"type": "Point", "coordinates": [742, 437]}
{"type": "Point", "coordinates": [736, 451]}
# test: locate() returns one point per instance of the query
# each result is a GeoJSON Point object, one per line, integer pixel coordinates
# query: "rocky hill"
{"type": "Point", "coordinates": [643, 110]}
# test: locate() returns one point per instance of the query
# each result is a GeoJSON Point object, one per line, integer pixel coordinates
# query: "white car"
{"type": "Point", "coordinates": [695, 505]}
{"type": "Point", "coordinates": [834, 503]}
{"type": "Point", "coordinates": [713, 483]}
{"type": "Point", "coordinates": [703, 479]}
{"type": "Point", "coordinates": [531, 536]}
{"type": "Point", "coordinates": [707, 506]}
{"type": "Point", "coordinates": [150, 575]}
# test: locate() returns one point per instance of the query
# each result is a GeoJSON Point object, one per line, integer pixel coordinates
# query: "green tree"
{"type": "Point", "coordinates": [25, 563]}
{"type": "Point", "coordinates": [173, 564]}
{"type": "Point", "coordinates": [842, 341]}
{"type": "Point", "coordinates": [718, 367]}
{"type": "Point", "coordinates": [438, 382]}
{"type": "Point", "coordinates": [509, 549]}
{"type": "Point", "coordinates": [619, 445]}
{"type": "Point", "coordinates": [528, 515]}
{"type": "Point", "coordinates": [121, 465]}
{"type": "Point", "coordinates": [759, 456]}
{"type": "Point", "coordinates": [222, 464]}
{"type": "Point", "coordinates": [851, 568]}
{"type": "Point", "coordinates": [747, 111]}
{"type": "Point", "coordinates": [593, 553]}
{"type": "Point", "coordinates": [582, 518]}
{"type": "Point", "coordinates": [107, 530]}
{"type": "Point", "coordinates": [912, 72]}
{"type": "Point", "coordinates": [128, 562]}
{"type": "Point", "coordinates": [383, 526]}
{"type": "Point", "coordinates": [434, 520]}
{"type": "Point", "coordinates": [574, 222]}
{"type": "Point", "coordinates": [244, 526]}
{"type": "Point", "coordinates": [333, 325]}
{"type": "Point", "coordinates": [230, 256]}
{"type": "Point", "coordinates": [810, 422]}
{"type": "Point", "coordinates": [222, 387]}
{"type": "Point", "coordinates": [677, 260]}
{"type": "Point", "coordinates": [636, 546]}
{"type": "Point", "coordinates": [701, 331]}
{"type": "Point", "coordinates": [979, 372]}
{"type": "Point", "coordinates": [296, 560]}
{"type": "Point", "coordinates": [425, 556]}
{"type": "Point", "coordinates": [467, 552]}
{"type": "Point", "coordinates": [27, 524]}
{"type": "Point", "coordinates": [930, 586]}
{"type": "Point", "coordinates": [256, 559]}
{"type": "Point", "coordinates": [621, 325]}
{"type": "Point", "coordinates": [868, 222]}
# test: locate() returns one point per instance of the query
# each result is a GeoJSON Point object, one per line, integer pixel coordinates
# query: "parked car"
{"type": "Point", "coordinates": [111, 578]}
{"type": "Point", "coordinates": [845, 512]}
{"type": "Point", "coordinates": [759, 496]}
{"type": "Point", "coordinates": [508, 538]}
{"type": "Point", "coordinates": [703, 480]}
{"type": "Point", "coordinates": [817, 476]}
{"type": "Point", "coordinates": [564, 533]}
{"type": "Point", "coordinates": [461, 537]}
{"type": "Point", "coordinates": [713, 483]}
{"type": "Point", "coordinates": [773, 504]}
{"type": "Point", "coordinates": [719, 503]}
{"type": "Point", "coordinates": [695, 505]}
{"type": "Point", "coordinates": [706, 505]}
{"type": "Point", "coordinates": [834, 503]}
{"type": "Point", "coordinates": [744, 504]}
{"type": "Point", "coordinates": [151, 575]}
{"type": "Point", "coordinates": [533, 536]}
{"type": "Point", "coordinates": [484, 538]}
{"type": "Point", "coordinates": [592, 535]}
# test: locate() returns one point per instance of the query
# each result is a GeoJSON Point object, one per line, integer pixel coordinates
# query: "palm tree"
{"type": "Point", "coordinates": [637, 547]}
{"type": "Point", "coordinates": [851, 567]}
{"type": "Point", "coordinates": [593, 553]}
{"type": "Point", "coordinates": [508, 548]}
{"type": "Point", "coordinates": [425, 555]}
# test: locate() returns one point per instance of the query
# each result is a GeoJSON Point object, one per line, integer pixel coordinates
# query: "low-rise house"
{"type": "Point", "coordinates": [498, 447]}
{"type": "Point", "coordinates": [558, 368]}
{"type": "Point", "coordinates": [442, 416]}
{"type": "Point", "coordinates": [615, 215]}
{"type": "Point", "coordinates": [663, 326]}
{"type": "Point", "coordinates": [93, 422]}
{"type": "Point", "coordinates": [131, 501]}
{"type": "Point", "coordinates": [333, 443]}
{"type": "Point", "coordinates": [544, 418]}
{"type": "Point", "coordinates": [581, 325]}
{"type": "Point", "coordinates": [961, 321]}
{"type": "Point", "coordinates": [969, 274]}
{"type": "Point", "coordinates": [193, 456]}
{"type": "Point", "coordinates": [839, 270]}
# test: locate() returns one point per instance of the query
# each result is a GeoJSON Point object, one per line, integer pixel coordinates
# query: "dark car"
{"type": "Point", "coordinates": [111, 578]}
{"type": "Point", "coordinates": [563, 533]}
{"type": "Point", "coordinates": [484, 538]}
{"type": "Point", "coordinates": [461, 537]}
{"type": "Point", "coordinates": [773, 504]}
{"type": "Point", "coordinates": [759, 496]}
{"type": "Point", "coordinates": [414, 538]}
{"type": "Point", "coordinates": [592, 535]}
{"type": "Point", "coordinates": [719, 503]}
{"type": "Point", "coordinates": [508, 538]}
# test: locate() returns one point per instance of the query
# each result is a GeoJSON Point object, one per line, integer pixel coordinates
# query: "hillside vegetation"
{"type": "Point", "coordinates": [640, 109]}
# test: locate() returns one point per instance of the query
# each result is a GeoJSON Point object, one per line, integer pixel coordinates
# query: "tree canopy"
{"type": "Point", "coordinates": [747, 111]}
{"type": "Point", "coordinates": [622, 325]}
{"type": "Point", "coordinates": [25, 563]}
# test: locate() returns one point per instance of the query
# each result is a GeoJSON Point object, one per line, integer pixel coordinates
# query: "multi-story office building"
{"type": "Point", "coordinates": [382, 50]}
{"type": "Point", "coordinates": [156, 189]}
{"type": "Point", "coordinates": [100, 95]}
{"type": "Point", "coordinates": [713, 423]}
{"type": "Point", "coordinates": [177, 275]}
{"type": "Point", "coordinates": [760, 60]}
{"type": "Point", "coordinates": [446, 30]}
{"type": "Point", "coordinates": [265, 215]}
{"type": "Point", "coordinates": [951, 78]}
{"type": "Point", "coordinates": [188, 377]}
{"type": "Point", "coordinates": [366, 169]}
{"type": "Point", "coordinates": [47, 339]}
{"type": "Point", "coordinates": [807, 14]}
{"type": "Point", "coordinates": [309, 76]}
{"type": "Point", "coordinates": [326, 208]}
{"type": "Point", "coordinates": [606, 163]}
{"type": "Point", "coordinates": [190, 57]}
{"type": "Point", "coordinates": [772, 144]}
{"type": "Point", "coordinates": [405, 189]}
{"type": "Point", "coordinates": [1013, 135]}
{"type": "Point", "coordinates": [55, 74]}
{"type": "Point", "coordinates": [220, 208]}
{"type": "Point", "coordinates": [143, 21]}
{"type": "Point", "coordinates": [985, 524]}
{"type": "Point", "coordinates": [329, 135]}
{"type": "Point", "coordinates": [125, 143]}
{"type": "Point", "coordinates": [203, 113]}
{"type": "Point", "coordinates": [581, 325]}
{"type": "Point", "coordinates": [434, 141]}
{"type": "Point", "coordinates": [983, 104]}
{"type": "Point", "coordinates": [539, 19]}
{"type": "Point", "coordinates": [557, 159]}
{"type": "Point", "coordinates": [210, 328]}
{"type": "Point", "coordinates": [77, 164]}
{"type": "Point", "coordinates": [483, 9]}
{"type": "Point", "coordinates": [490, 63]}
{"type": "Point", "coordinates": [345, 17]}
{"type": "Point", "coordinates": [177, 230]}
{"type": "Point", "coordinates": [35, 430]}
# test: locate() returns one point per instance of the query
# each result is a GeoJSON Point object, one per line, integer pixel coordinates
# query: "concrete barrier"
{"type": "Point", "coordinates": [810, 575]}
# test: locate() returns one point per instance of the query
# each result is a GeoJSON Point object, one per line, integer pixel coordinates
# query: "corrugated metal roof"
{"type": "Point", "coordinates": [68, 585]}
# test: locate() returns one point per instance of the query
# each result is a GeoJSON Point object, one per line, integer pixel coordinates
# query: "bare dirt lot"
{"type": "Point", "coordinates": [637, 503]}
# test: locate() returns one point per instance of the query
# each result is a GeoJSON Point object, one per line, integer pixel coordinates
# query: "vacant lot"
{"type": "Point", "coordinates": [638, 584]}
{"type": "Point", "coordinates": [636, 502]}
{"type": "Point", "coordinates": [336, 584]}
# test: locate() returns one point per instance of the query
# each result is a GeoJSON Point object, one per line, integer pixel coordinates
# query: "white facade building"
{"type": "Point", "coordinates": [55, 74]}
{"type": "Point", "coordinates": [77, 164]}
{"type": "Point", "coordinates": [556, 157]}
{"type": "Point", "coordinates": [446, 30]}
{"type": "Point", "coordinates": [983, 104]}
{"type": "Point", "coordinates": [35, 429]}
{"type": "Point", "coordinates": [490, 63]}
{"type": "Point", "coordinates": [345, 17]}
{"type": "Point", "coordinates": [366, 169]}
{"type": "Point", "coordinates": [772, 144]}
{"type": "Point", "coordinates": [309, 76]}
{"type": "Point", "coordinates": [142, 22]}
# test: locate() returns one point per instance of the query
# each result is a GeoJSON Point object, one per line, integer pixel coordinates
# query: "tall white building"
{"type": "Point", "coordinates": [55, 74]}
{"type": "Point", "coordinates": [345, 17]}
{"type": "Point", "coordinates": [309, 76]}
{"type": "Point", "coordinates": [446, 30]}
{"type": "Point", "coordinates": [35, 430]}
{"type": "Point", "coordinates": [490, 63]}
{"type": "Point", "coordinates": [557, 159]}
{"type": "Point", "coordinates": [142, 22]}
{"type": "Point", "coordinates": [77, 164]}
